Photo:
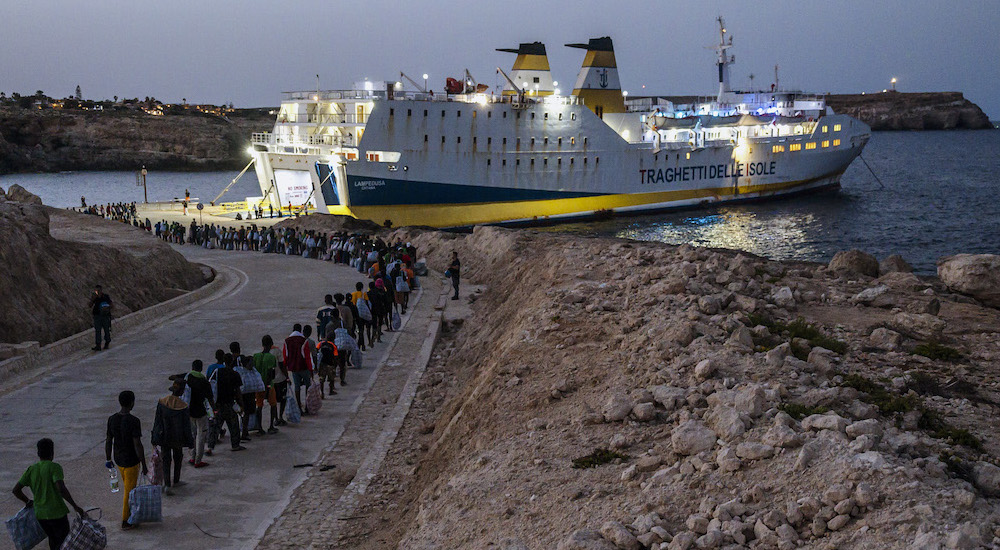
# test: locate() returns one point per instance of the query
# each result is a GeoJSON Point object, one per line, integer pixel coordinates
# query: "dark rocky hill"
{"type": "Point", "coordinates": [912, 111]}
{"type": "Point", "coordinates": [54, 140]}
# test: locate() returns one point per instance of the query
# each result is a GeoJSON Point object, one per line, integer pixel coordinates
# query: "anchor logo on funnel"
{"type": "Point", "coordinates": [604, 78]}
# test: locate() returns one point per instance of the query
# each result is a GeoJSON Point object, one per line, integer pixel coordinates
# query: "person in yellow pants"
{"type": "Point", "coordinates": [124, 443]}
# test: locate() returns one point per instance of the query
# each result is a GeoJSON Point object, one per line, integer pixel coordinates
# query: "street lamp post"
{"type": "Point", "coordinates": [425, 83]}
{"type": "Point", "coordinates": [893, 82]}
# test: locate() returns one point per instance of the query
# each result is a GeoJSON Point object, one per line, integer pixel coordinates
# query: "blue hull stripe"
{"type": "Point", "coordinates": [367, 191]}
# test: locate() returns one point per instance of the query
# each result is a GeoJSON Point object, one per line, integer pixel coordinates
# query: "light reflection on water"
{"type": "Point", "coordinates": [783, 237]}
{"type": "Point", "coordinates": [939, 198]}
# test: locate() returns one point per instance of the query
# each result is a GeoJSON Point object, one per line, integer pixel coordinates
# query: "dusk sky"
{"type": "Point", "coordinates": [248, 52]}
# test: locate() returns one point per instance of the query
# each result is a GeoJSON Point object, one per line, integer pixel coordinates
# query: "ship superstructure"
{"type": "Point", "coordinates": [527, 152]}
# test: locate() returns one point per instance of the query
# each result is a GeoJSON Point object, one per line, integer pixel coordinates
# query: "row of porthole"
{"type": "Point", "coordinates": [475, 113]}
{"type": "Point", "coordinates": [489, 140]}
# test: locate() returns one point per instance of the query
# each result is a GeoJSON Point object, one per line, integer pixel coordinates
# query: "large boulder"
{"type": "Point", "coordinates": [919, 326]}
{"type": "Point", "coordinates": [977, 275]}
{"type": "Point", "coordinates": [16, 193]}
{"type": "Point", "coordinates": [854, 262]}
{"type": "Point", "coordinates": [692, 437]}
{"type": "Point", "coordinates": [894, 264]}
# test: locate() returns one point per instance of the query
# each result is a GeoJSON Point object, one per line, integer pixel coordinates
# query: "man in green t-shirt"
{"type": "Point", "coordinates": [45, 479]}
{"type": "Point", "coordinates": [265, 363]}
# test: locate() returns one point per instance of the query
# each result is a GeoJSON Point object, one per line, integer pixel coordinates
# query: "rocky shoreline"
{"type": "Point", "coordinates": [610, 394]}
{"type": "Point", "coordinates": [912, 111]}
{"type": "Point", "coordinates": [52, 141]}
{"type": "Point", "coordinates": [52, 258]}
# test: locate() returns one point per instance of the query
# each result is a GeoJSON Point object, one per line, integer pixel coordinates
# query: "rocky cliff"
{"type": "Point", "coordinates": [54, 140]}
{"type": "Point", "coordinates": [51, 259]}
{"type": "Point", "coordinates": [613, 395]}
{"type": "Point", "coordinates": [916, 111]}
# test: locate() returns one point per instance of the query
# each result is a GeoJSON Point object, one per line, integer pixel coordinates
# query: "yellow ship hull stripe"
{"type": "Point", "coordinates": [459, 215]}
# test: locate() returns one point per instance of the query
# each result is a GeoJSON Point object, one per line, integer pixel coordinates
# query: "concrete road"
{"type": "Point", "coordinates": [230, 503]}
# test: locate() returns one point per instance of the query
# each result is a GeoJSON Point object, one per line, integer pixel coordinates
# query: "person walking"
{"type": "Point", "coordinates": [324, 315]}
{"type": "Point", "coordinates": [298, 362]}
{"type": "Point", "coordinates": [201, 403]}
{"type": "Point", "coordinates": [454, 270]}
{"type": "Point", "coordinates": [124, 444]}
{"type": "Point", "coordinates": [100, 308]}
{"type": "Point", "coordinates": [172, 433]}
{"type": "Point", "coordinates": [265, 363]}
{"type": "Point", "coordinates": [49, 494]}
{"type": "Point", "coordinates": [228, 385]}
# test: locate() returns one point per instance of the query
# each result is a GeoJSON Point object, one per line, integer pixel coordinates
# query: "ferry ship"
{"type": "Point", "coordinates": [530, 153]}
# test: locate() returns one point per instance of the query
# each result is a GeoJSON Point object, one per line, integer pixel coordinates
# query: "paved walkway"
{"type": "Point", "coordinates": [233, 502]}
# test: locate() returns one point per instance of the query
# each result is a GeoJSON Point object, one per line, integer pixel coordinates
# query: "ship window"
{"type": "Point", "coordinates": [518, 162]}
{"type": "Point", "coordinates": [425, 138]}
{"type": "Point", "coordinates": [779, 148]}
{"type": "Point", "coordinates": [392, 112]}
{"type": "Point", "coordinates": [688, 156]}
{"type": "Point", "coordinates": [536, 80]}
{"type": "Point", "coordinates": [458, 139]}
{"type": "Point", "coordinates": [518, 115]}
{"type": "Point", "coordinates": [597, 160]}
{"type": "Point", "coordinates": [489, 162]}
{"type": "Point", "coordinates": [409, 112]}
{"type": "Point", "coordinates": [532, 116]}
{"type": "Point", "coordinates": [824, 129]}
{"type": "Point", "coordinates": [475, 114]}
{"type": "Point", "coordinates": [545, 162]}
{"type": "Point", "coordinates": [836, 127]}
{"type": "Point", "coordinates": [560, 142]}
{"type": "Point", "coordinates": [546, 141]}
{"type": "Point", "coordinates": [572, 116]}
{"type": "Point", "coordinates": [532, 142]}
{"type": "Point", "coordinates": [505, 114]}
{"type": "Point", "coordinates": [518, 142]}
{"type": "Point", "coordinates": [559, 161]}
{"type": "Point", "coordinates": [811, 145]}
{"type": "Point", "coordinates": [571, 160]}
{"type": "Point", "coordinates": [489, 114]}
{"type": "Point", "coordinates": [532, 163]}
{"type": "Point", "coordinates": [560, 116]}
{"type": "Point", "coordinates": [458, 114]}
{"type": "Point", "coordinates": [546, 117]}
{"type": "Point", "coordinates": [572, 141]}
{"type": "Point", "coordinates": [836, 142]}
{"type": "Point", "coordinates": [425, 112]}
{"type": "Point", "coordinates": [503, 162]}
{"type": "Point", "coordinates": [505, 141]}
{"type": "Point", "coordinates": [489, 141]}
{"type": "Point", "coordinates": [585, 160]}
{"type": "Point", "coordinates": [826, 143]}
{"type": "Point", "coordinates": [585, 141]}
{"type": "Point", "coordinates": [442, 140]}
{"type": "Point", "coordinates": [474, 139]}
{"type": "Point", "coordinates": [794, 146]}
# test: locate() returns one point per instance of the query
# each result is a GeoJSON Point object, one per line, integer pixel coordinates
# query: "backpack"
{"type": "Point", "coordinates": [104, 307]}
{"type": "Point", "coordinates": [327, 353]}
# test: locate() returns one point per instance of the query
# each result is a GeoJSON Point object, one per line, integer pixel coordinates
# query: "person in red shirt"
{"type": "Point", "coordinates": [298, 362]}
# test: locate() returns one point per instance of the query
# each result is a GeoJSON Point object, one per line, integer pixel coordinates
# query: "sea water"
{"type": "Point", "coordinates": [939, 195]}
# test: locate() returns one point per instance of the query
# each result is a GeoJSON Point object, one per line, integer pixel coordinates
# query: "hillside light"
{"type": "Point", "coordinates": [893, 82]}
